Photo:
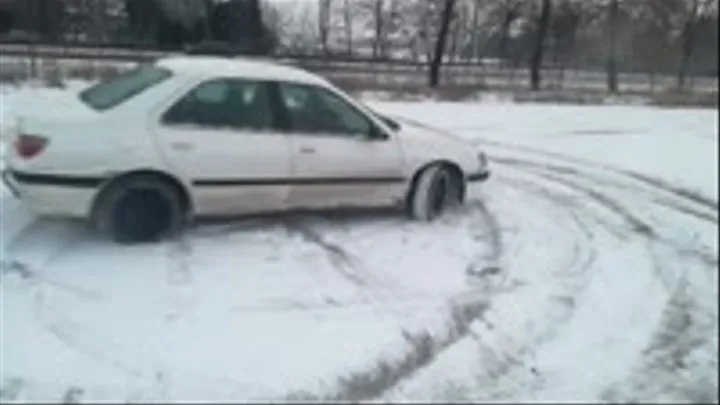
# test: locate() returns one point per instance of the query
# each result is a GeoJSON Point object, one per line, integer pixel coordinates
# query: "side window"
{"type": "Point", "coordinates": [313, 110]}
{"type": "Point", "coordinates": [224, 103]}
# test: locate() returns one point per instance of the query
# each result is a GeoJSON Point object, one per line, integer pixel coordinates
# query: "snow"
{"type": "Point", "coordinates": [567, 277]}
{"type": "Point", "coordinates": [676, 145]}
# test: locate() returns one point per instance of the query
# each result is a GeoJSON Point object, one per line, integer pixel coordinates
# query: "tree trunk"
{"type": "Point", "coordinates": [348, 27]}
{"type": "Point", "coordinates": [611, 62]}
{"type": "Point", "coordinates": [504, 38]}
{"type": "Point", "coordinates": [437, 60]}
{"type": "Point", "coordinates": [454, 43]}
{"type": "Point", "coordinates": [687, 46]}
{"type": "Point", "coordinates": [475, 33]}
{"type": "Point", "coordinates": [537, 57]}
{"type": "Point", "coordinates": [324, 24]}
{"type": "Point", "coordinates": [379, 28]}
{"type": "Point", "coordinates": [511, 14]}
{"type": "Point", "coordinates": [258, 29]}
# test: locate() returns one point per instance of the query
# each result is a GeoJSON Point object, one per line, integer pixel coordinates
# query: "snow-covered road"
{"type": "Point", "coordinates": [586, 269]}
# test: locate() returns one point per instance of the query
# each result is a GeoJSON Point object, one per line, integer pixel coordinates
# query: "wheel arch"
{"type": "Point", "coordinates": [118, 179]}
{"type": "Point", "coordinates": [450, 165]}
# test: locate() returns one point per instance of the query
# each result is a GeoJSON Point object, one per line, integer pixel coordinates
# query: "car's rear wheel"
{"type": "Point", "coordinates": [437, 190]}
{"type": "Point", "coordinates": [142, 210]}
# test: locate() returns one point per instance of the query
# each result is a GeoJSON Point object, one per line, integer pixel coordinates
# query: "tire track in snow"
{"type": "Point", "coordinates": [664, 373]}
{"type": "Point", "coordinates": [425, 347]}
{"type": "Point", "coordinates": [572, 277]}
{"type": "Point", "coordinates": [345, 263]}
{"type": "Point", "coordinates": [38, 245]}
{"type": "Point", "coordinates": [573, 273]}
{"type": "Point", "coordinates": [557, 175]}
{"type": "Point", "coordinates": [574, 163]}
{"type": "Point", "coordinates": [549, 172]}
{"type": "Point", "coordinates": [377, 287]}
{"type": "Point", "coordinates": [650, 187]}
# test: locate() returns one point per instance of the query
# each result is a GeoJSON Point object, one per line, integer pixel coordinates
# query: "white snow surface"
{"type": "Point", "coordinates": [584, 270]}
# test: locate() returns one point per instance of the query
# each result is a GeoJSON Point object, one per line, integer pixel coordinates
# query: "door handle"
{"type": "Point", "coordinates": [307, 150]}
{"type": "Point", "coordinates": [182, 146]}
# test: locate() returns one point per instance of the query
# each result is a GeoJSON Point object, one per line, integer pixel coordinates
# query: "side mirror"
{"type": "Point", "coordinates": [377, 134]}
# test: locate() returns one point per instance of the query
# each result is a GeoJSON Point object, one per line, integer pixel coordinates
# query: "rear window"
{"type": "Point", "coordinates": [113, 92]}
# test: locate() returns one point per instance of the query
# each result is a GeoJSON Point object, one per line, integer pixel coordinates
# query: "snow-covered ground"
{"type": "Point", "coordinates": [586, 269]}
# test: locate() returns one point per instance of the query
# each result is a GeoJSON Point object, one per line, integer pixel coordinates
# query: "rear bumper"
{"type": "Point", "coordinates": [52, 199]}
{"type": "Point", "coordinates": [9, 183]}
{"type": "Point", "coordinates": [478, 177]}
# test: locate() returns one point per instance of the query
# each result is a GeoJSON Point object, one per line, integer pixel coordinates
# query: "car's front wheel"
{"type": "Point", "coordinates": [437, 190]}
{"type": "Point", "coordinates": [141, 210]}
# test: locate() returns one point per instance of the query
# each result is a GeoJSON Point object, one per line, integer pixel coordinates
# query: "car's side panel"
{"type": "Point", "coordinates": [84, 145]}
{"type": "Point", "coordinates": [335, 169]}
{"type": "Point", "coordinates": [336, 172]}
{"type": "Point", "coordinates": [229, 171]}
{"type": "Point", "coordinates": [423, 146]}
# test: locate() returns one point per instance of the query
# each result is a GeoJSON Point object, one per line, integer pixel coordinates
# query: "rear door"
{"type": "Point", "coordinates": [223, 138]}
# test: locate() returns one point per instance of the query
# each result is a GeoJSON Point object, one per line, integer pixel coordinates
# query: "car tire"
{"type": "Point", "coordinates": [437, 190]}
{"type": "Point", "coordinates": [142, 209]}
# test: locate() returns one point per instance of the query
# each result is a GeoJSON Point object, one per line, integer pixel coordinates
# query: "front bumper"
{"type": "Point", "coordinates": [479, 177]}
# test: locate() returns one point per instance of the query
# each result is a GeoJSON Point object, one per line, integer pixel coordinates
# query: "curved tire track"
{"type": "Point", "coordinates": [510, 374]}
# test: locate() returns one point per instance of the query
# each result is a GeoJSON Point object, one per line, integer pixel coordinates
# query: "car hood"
{"type": "Point", "coordinates": [422, 143]}
{"type": "Point", "coordinates": [414, 130]}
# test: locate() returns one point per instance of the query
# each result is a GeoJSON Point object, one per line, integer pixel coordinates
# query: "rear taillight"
{"type": "Point", "coordinates": [29, 146]}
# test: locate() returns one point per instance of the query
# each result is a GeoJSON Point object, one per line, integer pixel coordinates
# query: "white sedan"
{"type": "Point", "coordinates": [142, 154]}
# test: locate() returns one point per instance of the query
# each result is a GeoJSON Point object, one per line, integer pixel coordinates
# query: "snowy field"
{"type": "Point", "coordinates": [584, 270]}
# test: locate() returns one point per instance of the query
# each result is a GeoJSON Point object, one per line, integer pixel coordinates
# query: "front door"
{"type": "Point", "coordinates": [336, 162]}
{"type": "Point", "coordinates": [222, 137]}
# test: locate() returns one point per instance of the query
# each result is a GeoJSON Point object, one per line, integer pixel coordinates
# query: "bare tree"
{"type": "Point", "coordinates": [379, 18]}
{"type": "Point", "coordinates": [565, 24]}
{"type": "Point", "coordinates": [440, 43]}
{"type": "Point", "coordinates": [688, 37]}
{"type": "Point", "coordinates": [425, 32]}
{"type": "Point", "coordinates": [475, 29]}
{"type": "Point", "coordinates": [301, 36]}
{"type": "Point", "coordinates": [539, 51]}
{"type": "Point", "coordinates": [612, 46]}
{"type": "Point", "coordinates": [276, 24]}
{"type": "Point", "coordinates": [677, 21]}
{"type": "Point", "coordinates": [324, 16]}
{"type": "Point", "coordinates": [348, 25]}
{"type": "Point", "coordinates": [454, 42]}
{"type": "Point", "coordinates": [510, 12]}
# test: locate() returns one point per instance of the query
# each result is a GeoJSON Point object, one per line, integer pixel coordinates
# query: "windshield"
{"type": "Point", "coordinates": [113, 92]}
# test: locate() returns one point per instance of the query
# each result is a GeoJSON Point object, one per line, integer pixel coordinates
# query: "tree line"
{"type": "Point", "coordinates": [678, 37]}
{"type": "Point", "coordinates": [163, 24]}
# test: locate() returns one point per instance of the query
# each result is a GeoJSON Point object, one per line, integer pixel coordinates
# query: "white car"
{"type": "Point", "coordinates": [143, 153]}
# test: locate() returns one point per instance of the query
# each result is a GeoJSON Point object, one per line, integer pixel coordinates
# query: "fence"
{"type": "Point", "coordinates": [33, 60]}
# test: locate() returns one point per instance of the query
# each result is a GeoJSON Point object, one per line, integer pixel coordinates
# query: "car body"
{"type": "Point", "coordinates": [233, 135]}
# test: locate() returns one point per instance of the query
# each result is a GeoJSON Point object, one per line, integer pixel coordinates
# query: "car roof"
{"type": "Point", "coordinates": [240, 67]}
